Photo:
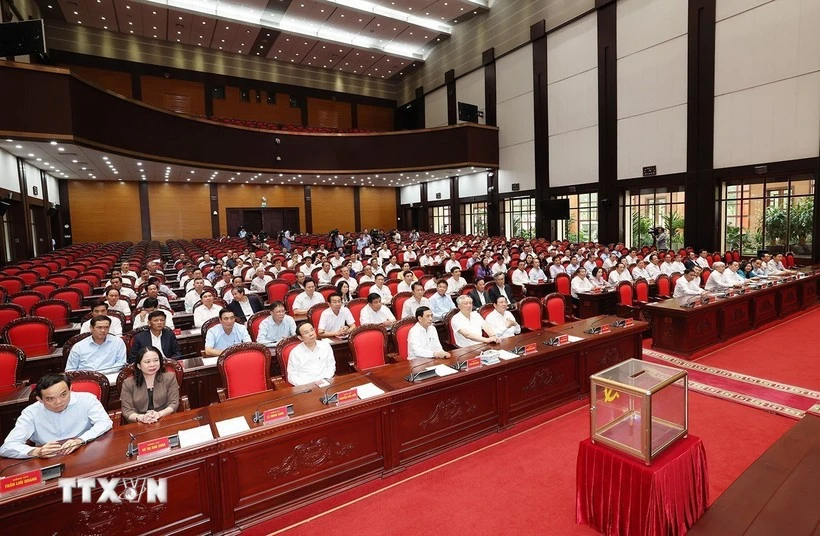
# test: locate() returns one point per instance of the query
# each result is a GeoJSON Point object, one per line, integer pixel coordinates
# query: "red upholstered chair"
{"type": "Point", "coordinates": [315, 312]}
{"type": "Point", "coordinates": [82, 285]}
{"type": "Point", "coordinates": [664, 286]}
{"type": "Point", "coordinates": [26, 299]}
{"type": "Point", "coordinates": [393, 285]}
{"type": "Point", "coordinates": [72, 295]}
{"type": "Point", "coordinates": [288, 275]}
{"type": "Point", "coordinates": [532, 314]}
{"type": "Point", "coordinates": [715, 258]}
{"type": "Point", "coordinates": [71, 273]}
{"type": "Point", "coordinates": [788, 260]}
{"type": "Point", "coordinates": [57, 311]}
{"type": "Point", "coordinates": [28, 276]}
{"type": "Point", "coordinates": [327, 290]}
{"type": "Point", "coordinates": [363, 289]}
{"type": "Point", "coordinates": [90, 381]}
{"type": "Point", "coordinates": [31, 334]}
{"type": "Point", "coordinates": [429, 293]}
{"type": "Point", "coordinates": [419, 271]}
{"type": "Point", "coordinates": [290, 297]}
{"type": "Point", "coordinates": [44, 287]}
{"type": "Point", "coordinates": [211, 322]}
{"type": "Point", "coordinates": [172, 366]}
{"type": "Point", "coordinates": [245, 369]}
{"type": "Point", "coordinates": [356, 306]}
{"type": "Point", "coordinates": [555, 305]}
{"type": "Point", "coordinates": [563, 284]}
{"type": "Point", "coordinates": [275, 290]}
{"type": "Point", "coordinates": [9, 312]}
{"type": "Point", "coordinates": [486, 309]}
{"type": "Point", "coordinates": [283, 349]}
{"type": "Point", "coordinates": [627, 307]}
{"type": "Point", "coordinates": [368, 346]}
{"type": "Point", "coordinates": [704, 276]}
{"type": "Point", "coordinates": [448, 321]}
{"type": "Point", "coordinates": [80, 336]}
{"type": "Point", "coordinates": [425, 278]}
{"type": "Point", "coordinates": [12, 360]}
{"type": "Point", "coordinates": [400, 332]}
{"type": "Point", "coordinates": [673, 280]}
{"type": "Point", "coordinates": [255, 321]}
{"type": "Point", "coordinates": [398, 302]}
{"type": "Point", "coordinates": [735, 255]}
{"type": "Point", "coordinates": [641, 291]}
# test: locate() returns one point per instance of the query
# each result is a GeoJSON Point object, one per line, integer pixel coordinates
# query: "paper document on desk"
{"type": "Point", "coordinates": [573, 338]}
{"type": "Point", "coordinates": [368, 390]}
{"type": "Point", "coordinates": [505, 355]}
{"type": "Point", "coordinates": [232, 426]}
{"type": "Point", "coordinates": [195, 436]}
{"type": "Point", "coordinates": [442, 370]}
{"type": "Point", "coordinates": [210, 361]}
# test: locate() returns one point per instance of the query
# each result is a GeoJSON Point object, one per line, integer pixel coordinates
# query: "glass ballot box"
{"type": "Point", "coordinates": [639, 408]}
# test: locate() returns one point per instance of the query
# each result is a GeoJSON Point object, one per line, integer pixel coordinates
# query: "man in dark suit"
{"type": "Point", "coordinates": [156, 329]}
{"type": "Point", "coordinates": [479, 294]}
{"type": "Point", "coordinates": [243, 306]}
{"type": "Point", "coordinates": [495, 291]}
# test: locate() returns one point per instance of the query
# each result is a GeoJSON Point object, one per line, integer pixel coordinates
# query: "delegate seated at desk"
{"type": "Point", "coordinates": [150, 305]}
{"type": "Point", "coordinates": [688, 285]}
{"type": "Point", "coordinates": [375, 312]}
{"type": "Point", "coordinates": [312, 360]}
{"type": "Point", "coordinates": [206, 310]}
{"type": "Point", "coordinates": [415, 301]}
{"type": "Point", "coordinates": [502, 321]}
{"type": "Point", "coordinates": [719, 279]}
{"type": "Point", "coordinates": [152, 392]}
{"type": "Point", "coordinates": [58, 423]}
{"type": "Point", "coordinates": [158, 336]}
{"type": "Point", "coordinates": [225, 334]}
{"type": "Point", "coordinates": [101, 351]}
{"type": "Point", "coordinates": [422, 339]}
{"type": "Point", "coordinates": [467, 325]}
{"type": "Point", "coordinates": [101, 309]}
{"type": "Point", "coordinates": [277, 326]}
{"type": "Point", "coordinates": [440, 302]}
{"type": "Point", "coordinates": [336, 320]}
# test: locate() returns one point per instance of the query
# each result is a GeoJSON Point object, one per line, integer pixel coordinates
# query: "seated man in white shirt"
{"type": "Point", "coordinates": [207, 310]}
{"type": "Point", "coordinates": [455, 282]}
{"type": "Point", "coordinates": [520, 276]}
{"type": "Point", "coordinates": [375, 312]}
{"type": "Point", "coordinates": [641, 271]}
{"type": "Point", "coordinates": [668, 266]}
{"type": "Point", "coordinates": [574, 264]}
{"type": "Point", "coordinates": [468, 325]}
{"type": "Point", "coordinates": [718, 281]}
{"type": "Point", "coordinates": [260, 280]}
{"type": "Point", "coordinates": [609, 262]}
{"type": "Point", "coordinates": [125, 291]}
{"type": "Point", "coordinates": [731, 275]}
{"type": "Point", "coordinates": [702, 259]}
{"type": "Point", "coordinates": [620, 273]}
{"type": "Point", "coordinates": [537, 275]}
{"type": "Point", "coordinates": [312, 360]}
{"type": "Point", "coordinates": [101, 309]}
{"type": "Point", "coordinates": [422, 339]}
{"type": "Point", "coordinates": [326, 274]}
{"type": "Point", "coordinates": [406, 283]}
{"type": "Point", "coordinates": [193, 295]}
{"type": "Point", "coordinates": [688, 285]}
{"type": "Point", "coordinates": [415, 301]}
{"type": "Point", "coordinates": [580, 283]}
{"type": "Point", "coordinates": [450, 264]}
{"type": "Point", "coordinates": [101, 351]}
{"type": "Point", "coordinates": [556, 267]}
{"type": "Point", "coordinates": [152, 291]}
{"type": "Point", "coordinates": [774, 266]}
{"type": "Point", "coordinates": [654, 267]}
{"type": "Point", "coordinates": [57, 424]}
{"type": "Point", "coordinates": [393, 264]}
{"type": "Point", "coordinates": [367, 274]}
{"type": "Point", "coordinates": [141, 319]}
{"type": "Point", "coordinates": [277, 326]}
{"type": "Point", "coordinates": [344, 271]}
{"type": "Point", "coordinates": [382, 290]}
{"type": "Point", "coordinates": [336, 320]}
{"type": "Point", "coordinates": [307, 299]}
{"type": "Point", "coordinates": [502, 321]}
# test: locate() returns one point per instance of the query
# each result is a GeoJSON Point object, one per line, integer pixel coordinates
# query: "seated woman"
{"type": "Point", "coordinates": [598, 277]}
{"type": "Point", "coordinates": [151, 393]}
{"type": "Point", "coordinates": [344, 290]}
{"type": "Point", "coordinates": [746, 270]}
{"type": "Point", "coordinates": [580, 283]}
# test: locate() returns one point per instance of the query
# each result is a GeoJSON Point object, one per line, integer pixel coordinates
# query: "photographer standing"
{"type": "Point", "coordinates": [661, 238]}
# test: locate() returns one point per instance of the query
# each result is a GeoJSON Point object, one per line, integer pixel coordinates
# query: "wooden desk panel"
{"type": "Point", "coordinates": [541, 385]}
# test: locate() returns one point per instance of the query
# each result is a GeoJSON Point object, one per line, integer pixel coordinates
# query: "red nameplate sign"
{"type": "Point", "coordinates": [605, 328]}
{"type": "Point", "coordinates": [712, 299]}
{"type": "Point", "coordinates": [345, 397]}
{"type": "Point", "coordinates": [730, 293]}
{"type": "Point", "coordinates": [530, 348]}
{"type": "Point", "coordinates": [275, 415]}
{"type": "Point", "coordinates": [153, 446]}
{"type": "Point", "coordinates": [597, 290]}
{"type": "Point", "coordinates": [20, 481]}
{"type": "Point", "coordinates": [177, 331]}
{"type": "Point", "coordinates": [473, 363]}
{"type": "Point", "coordinates": [629, 322]}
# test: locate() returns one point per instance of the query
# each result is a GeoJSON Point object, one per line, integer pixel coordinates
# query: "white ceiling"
{"type": "Point", "coordinates": [68, 161]}
{"type": "Point", "coordinates": [377, 38]}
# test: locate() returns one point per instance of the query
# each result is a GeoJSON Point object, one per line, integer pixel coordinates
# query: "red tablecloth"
{"type": "Point", "coordinates": [620, 495]}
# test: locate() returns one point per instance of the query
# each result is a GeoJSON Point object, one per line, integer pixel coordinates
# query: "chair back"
{"type": "Point", "coordinates": [9, 312]}
{"type": "Point", "coordinates": [283, 349]}
{"type": "Point", "coordinates": [255, 321]}
{"type": "Point", "coordinates": [448, 321]}
{"type": "Point", "coordinates": [90, 381]}
{"type": "Point", "coordinates": [364, 289]}
{"type": "Point", "coordinates": [208, 324]}
{"type": "Point", "coordinates": [290, 297]}
{"type": "Point", "coordinates": [326, 291]}
{"type": "Point", "coordinates": [393, 285]}
{"type": "Point", "coordinates": [71, 295]}
{"type": "Point", "coordinates": [532, 314]}
{"type": "Point", "coordinates": [69, 344]}
{"type": "Point", "coordinates": [245, 369]}
{"type": "Point", "coordinates": [26, 299]}
{"type": "Point", "coordinates": [275, 290]}
{"type": "Point", "coordinates": [555, 305]}
{"type": "Point", "coordinates": [44, 287]}
{"type": "Point", "coordinates": [12, 360]}
{"type": "Point", "coordinates": [368, 346]}
{"type": "Point", "coordinates": [288, 275]}
{"type": "Point", "coordinates": [625, 293]}
{"type": "Point", "coordinates": [82, 285]}
{"type": "Point", "coordinates": [715, 258]}
{"type": "Point", "coordinates": [401, 330]}
{"type": "Point", "coordinates": [563, 284]}
{"type": "Point", "coordinates": [172, 366]}
{"type": "Point", "coordinates": [704, 276]}
{"type": "Point", "coordinates": [315, 312]}
{"type": "Point", "coordinates": [32, 334]}
{"type": "Point", "coordinates": [356, 306]}
{"type": "Point", "coordinates": [663, 285]}
{"type": "Point", "coordinates": [673, 280]}
{"type": "Point", "coordinates": [398, 302]}
{"type": "Point", "coordinates": [486, 309]}
{"type": "Point", "coordinates": [641, 290]}
{"type": "Point", "coordinates": [57, 311]}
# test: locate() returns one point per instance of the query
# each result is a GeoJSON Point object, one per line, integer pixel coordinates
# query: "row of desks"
{"type": "Point", "coordinates": [230, 483]}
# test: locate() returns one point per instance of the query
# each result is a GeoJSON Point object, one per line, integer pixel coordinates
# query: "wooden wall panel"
{"type": "Point", "coordinates": [232, 106]}
{"type": "Point", "coordinates": [116, 81]}
{"type": "Point", "coordinates": [179, 210]}
{"type": "Point", "coordinates": [332, 208]}
{"type": "Point", "coordinates": [378, 207]}
{"type": "Point", "coordinates": [177, 95]}
{"type": "Point", "coordinates": [375, 117]}
{"type": "Point", "coordinates": [104, 211]}
{"type": "Point", "coordinates": [328, 113]}
{"type": "Point", "coordinates": [250, 195]}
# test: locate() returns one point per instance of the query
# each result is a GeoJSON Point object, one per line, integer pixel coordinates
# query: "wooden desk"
{"type": "Point", "coordinates": [540, 290]}
{"type": "Point", "coordinates": [238, 480]}
{"type": "Point", "coordinates": [597, 303]}
{"type": "Point", "coordinates": [13, 400]}
{"type": "Point", "coordinates": [685, 330]}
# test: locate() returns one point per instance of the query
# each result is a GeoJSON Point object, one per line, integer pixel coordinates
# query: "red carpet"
{"type": "Point", "coordinates": [524, 484]}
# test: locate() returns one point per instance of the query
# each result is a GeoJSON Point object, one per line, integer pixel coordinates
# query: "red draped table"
{"type": "Point", "coordinates": [620, 495]}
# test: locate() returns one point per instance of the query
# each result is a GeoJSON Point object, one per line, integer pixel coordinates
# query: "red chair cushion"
{"type": "Point", "coordinates": [531, 315]}
{"type": "Point", "coordinates": [555, 310]}
{"type": "Point", "coordinates": [369, 349]}
{"type": "Point", "coordinates": [245, 373]}
{"type": "Point", "coordinates": [83, 386]}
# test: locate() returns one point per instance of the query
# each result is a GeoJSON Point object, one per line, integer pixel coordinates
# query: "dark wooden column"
{"type": "Point", "coordinates": [419, 103]}
{"type": "Point", "coordinates": [308, 211]}
{"type": "Point", "coordinates": [357, 208]}
{"type": "Point", "coordinates": [46, 210]}
{"type": "Point", "coordinates": [452, 101]}
{"type": "Point", "coordinates": [424, 216]}
{"type": "Point", "coordinates": [490, 99]}
{"type": "Point", "coordinates": [64, 216]}
{"type": "Point", "coordinates": [609, 228]}
{"type": "Point", "coordinates": [145, 211]}
{"type": "Point", "coordinates": [21, 175]}
{"type": "Point", "coordinates": [493, 204]}
{"type": "Point", "coordinates": [538, 36]}
{"type": "Point", "coordinates": [214, 195]}
{"type": "Point", "coordinates": [701, 212]}
{"type": "Point", "coordinates": [455, 213]}
{"type": "Point", "coordinates": [354, 115]}
{"type": "Point", "coordinates": [401, 215]}
{"type": "Point", "coordinates": [136, 87]}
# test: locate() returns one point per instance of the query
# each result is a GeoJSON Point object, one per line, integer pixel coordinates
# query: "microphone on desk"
{"type": "Point", "coordinates": [413, 376]}
{"type": "Point", "coordinates": [461, 363]}
{"type": "Point", "coordinates": [15, 464]}
{"type": "Point", "coordinates": [258, 417]}
{"type": "Point", "coordinates": [328, 399]}
{"type": "Point", "coordinates": [691, 301]}
{"type": "Point", "coordinates": [132, 448]}
{"type": "Point", "coordinates": [593, 329]}
{"type": "Point", "coordinates": [520, 349]}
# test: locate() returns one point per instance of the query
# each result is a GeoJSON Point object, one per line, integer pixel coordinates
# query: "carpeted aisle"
{"type": "Point", "coordinates": [524, 484]}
